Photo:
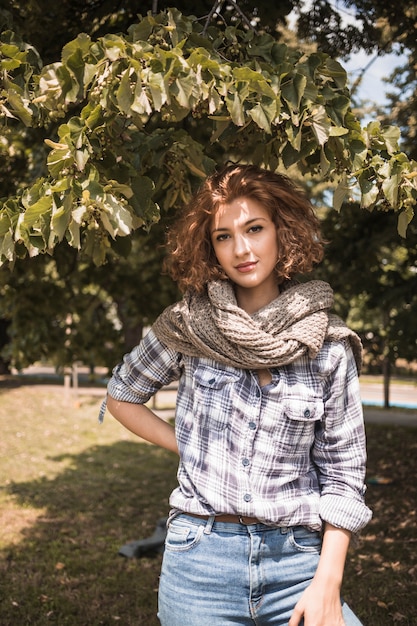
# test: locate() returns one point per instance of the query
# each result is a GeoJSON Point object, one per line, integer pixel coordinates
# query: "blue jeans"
{"type": "Point", "coordinates": [218, 574]}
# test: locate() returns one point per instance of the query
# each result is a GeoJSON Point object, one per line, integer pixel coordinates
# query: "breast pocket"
{"type": "Point", "coordinates": [214, 391]}
{"type": "Point", "coordinates": [296, 428]}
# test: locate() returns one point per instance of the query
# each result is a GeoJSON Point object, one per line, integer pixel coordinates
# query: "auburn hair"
{"type": "Point", "coordinates": [191, 260]}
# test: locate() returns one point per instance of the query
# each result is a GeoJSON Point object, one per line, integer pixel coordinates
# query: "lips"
{"type": "Point", "coordinates": [246, 267]}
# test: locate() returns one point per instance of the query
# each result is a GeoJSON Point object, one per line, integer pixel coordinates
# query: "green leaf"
{"type": "Point", "coordinates": [7, 247]}
{"type": "Point", "coordinates": [340, 194]}
{"type": "Point", "coordinates": [124, 93]}
{"type": "Point", "coordinates": [369, 190]}
{"type": "Point", "coordinates": [235, 109]}
{"type": "Point", "coordinates": [391, 136]}
{"type": "Point", "coordinates": [260, 117]}
{"type": "Point", "coordinates": [324, 162]}
{"type": "Point", "coordinates": [332, 68]}
{"type": "Point", "coordinates": [404, 220]}
{"type": "Point", "coordinates": [19, 107]}
{"type": "Point", "coordinates": [5, 223]}
{"type": "Point", "coordinates": [321, 125]}
{"type": "Point", "coordinates": [61, 216]}
{"type": "Point", "coordinates": [79, 45]}
{"type": "Point", "coordinates": [338, 131]}
{"type": "Point", "coordinates": [358, 153]}
{"type": "Point", "coordinates": [58, 160]}
{"type": "Point", "coordinates": [9, 65]}
{"type": "Point", "coordinates": [114, 47]}
{"type": "Point", "coordinates": [143, 188]}
{"type": "Point", "coordinates": [92, 116]}
{"type": "Point", "coordinates": [390, 187]}
{"type": "Point", "coordinates": [115, 217]}
{"type": "Point", "coordinates": [184, 89]}
{"type": "Point", "coordinates": [158, 91]}
{"type": "Point", "coordinates": [292, 90]}
{"type": "Point", "coordinates": [34, 211]}
{"type": "Point", "coordinates": [256, 80]}
{"type": "Point", "coordinates": [81, 158]}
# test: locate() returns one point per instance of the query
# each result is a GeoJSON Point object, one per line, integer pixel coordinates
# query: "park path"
{"type": "Point", "coordinates": [403, 396]}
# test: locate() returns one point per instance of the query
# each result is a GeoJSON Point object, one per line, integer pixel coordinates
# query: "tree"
{"type": "Point", "coordinates": [156, 109]}
{"type": "Point", "coordinates": [379, 27]}
{"type": "Point", "coordinates": [123, 154]}
{"type": "Point", "coordinates": [67, 311]}
{"type": "Point", "coordinates": [374, 273]}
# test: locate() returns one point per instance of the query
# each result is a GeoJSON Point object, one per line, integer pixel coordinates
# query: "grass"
{"type": "Point", "coordinates": [74, 492]}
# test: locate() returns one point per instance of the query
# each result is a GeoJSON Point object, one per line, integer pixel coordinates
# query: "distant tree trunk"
{"type": "Point", "coordinates": [132, 335]}
{"type": "Point", "coordinates": [4, 340]}
{"type": "Point", "coordinates": [386, 363]}
{"type": "Point", "coordinates": [386, 371]}
{"type": "Point", "coordinates": [132, 329]}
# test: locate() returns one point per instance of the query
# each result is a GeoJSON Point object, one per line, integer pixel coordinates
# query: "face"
{"type": "Point", "coordinates": [244, 239]}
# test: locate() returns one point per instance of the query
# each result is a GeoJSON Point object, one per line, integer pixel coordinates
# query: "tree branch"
{"type": "Point", "coordinates": [244, 17]}
{"type": "Point", "coordinates": [215, 9]}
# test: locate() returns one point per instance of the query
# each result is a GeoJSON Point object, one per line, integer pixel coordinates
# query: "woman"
{"type": "Point", "coordinates": [269, 426]}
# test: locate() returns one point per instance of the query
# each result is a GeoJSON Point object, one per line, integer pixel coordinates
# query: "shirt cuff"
{"type": "Point", "coordinates": [347, 513]}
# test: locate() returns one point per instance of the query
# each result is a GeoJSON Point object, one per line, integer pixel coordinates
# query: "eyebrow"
{"type": "Point", "coordinates": [254, 219]}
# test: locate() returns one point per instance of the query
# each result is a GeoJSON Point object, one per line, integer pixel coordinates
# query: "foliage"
{"type": "Point", "coordinates": [373, 26]}
{"type": "Point", "coordinates": [49, 27]}
{"type": "Point", "coordinates": [379, 28]}
{"type": "Point", "coordinates": [79, 165]}
{"type": "Point", "coordinates": [374, 274]}
{"type": "Point", "coordinates": [65, 310]}
{"type": "Point", "coordinates": [146, 115]}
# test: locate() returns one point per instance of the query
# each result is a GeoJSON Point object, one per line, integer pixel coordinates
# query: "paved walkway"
{"type": "Point", "coordinates": [403, 398]}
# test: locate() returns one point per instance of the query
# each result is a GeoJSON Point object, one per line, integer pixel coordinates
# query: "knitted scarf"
{"type": "Point", "coordinates": [296, 323]}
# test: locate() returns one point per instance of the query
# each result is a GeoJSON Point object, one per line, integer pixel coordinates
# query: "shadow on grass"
{"type": "Point", "coordinates": [381, 573]}
{"type": "Point", "coordinates": [66, 569]}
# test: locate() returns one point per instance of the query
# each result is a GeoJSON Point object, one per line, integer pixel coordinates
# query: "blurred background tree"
{"type": "Point", "coordinates": [66, 305]}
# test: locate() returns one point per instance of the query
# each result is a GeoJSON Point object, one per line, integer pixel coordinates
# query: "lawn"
{"type": "Point", "coordinates": [73, 492]}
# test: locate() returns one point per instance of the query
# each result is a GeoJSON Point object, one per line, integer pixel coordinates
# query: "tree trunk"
{"type": "Point", "coordinates": [132, 335]}
{"type": "Point", "coordinates": [132, 329]}
{"type": "Point", "coordinates": [386, 363]}
{"type": "Point", "coordinates": [386, 371]}
{"type": "Point", "coordinates": [4, 340]}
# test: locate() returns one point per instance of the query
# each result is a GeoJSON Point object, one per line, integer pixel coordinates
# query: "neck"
{"type": "Point", "coordinates": [251, 300]}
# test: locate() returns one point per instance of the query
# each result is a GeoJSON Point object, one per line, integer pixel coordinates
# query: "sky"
{"type": "Point", "coordinates": [372, 87]}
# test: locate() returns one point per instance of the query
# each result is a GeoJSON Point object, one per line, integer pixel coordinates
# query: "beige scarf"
{"type": "Point", "coordinates": [296, 323]}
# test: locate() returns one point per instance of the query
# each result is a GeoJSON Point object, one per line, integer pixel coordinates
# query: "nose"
{"type": "Point", "coordinates": [241, 245]}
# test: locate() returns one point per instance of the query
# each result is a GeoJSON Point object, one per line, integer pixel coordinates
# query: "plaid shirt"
{"type": "Point", "coordinates": [289, 453]}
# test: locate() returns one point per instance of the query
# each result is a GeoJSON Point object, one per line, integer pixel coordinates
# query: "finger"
{"type": "Point", "coordinates": [296, 617]}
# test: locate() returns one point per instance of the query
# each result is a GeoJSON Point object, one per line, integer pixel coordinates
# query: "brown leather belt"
{"type": "Point", "coordinates": [231, 519]}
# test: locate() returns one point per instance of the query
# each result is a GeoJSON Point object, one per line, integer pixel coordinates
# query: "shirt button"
{"type": "Point", "coordinates": [247, 497]}
{"type": "Point", "coordinates": [245, 462]}
{"type": "Point", "coordinates": [307, 413]}
{"type": "Point", "coordinates": [211, 381]}
{"type": "Point", "coordinates": [252, 425]}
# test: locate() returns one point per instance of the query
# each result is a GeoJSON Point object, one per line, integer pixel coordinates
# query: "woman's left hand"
{"type": "Point", "coordinates": [318, 607]}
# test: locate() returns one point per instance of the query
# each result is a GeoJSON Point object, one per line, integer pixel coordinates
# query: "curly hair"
{"type": "Point", "coordinates": [192, 262]}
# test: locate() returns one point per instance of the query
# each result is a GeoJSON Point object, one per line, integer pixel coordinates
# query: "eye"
{"type": "Point", "coordinates": [256, 229]}
{"type": "Point", "coordinates": [222, 237]}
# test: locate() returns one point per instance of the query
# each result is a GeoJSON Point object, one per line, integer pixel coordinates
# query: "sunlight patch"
{"type": "Point", "coordinates": [14, 521]}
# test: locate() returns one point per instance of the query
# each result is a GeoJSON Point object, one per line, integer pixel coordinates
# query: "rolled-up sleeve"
{"type": "Point", "coordinates": [143, 371]}
{"type": "Point", "coordinates": [340, 449]}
